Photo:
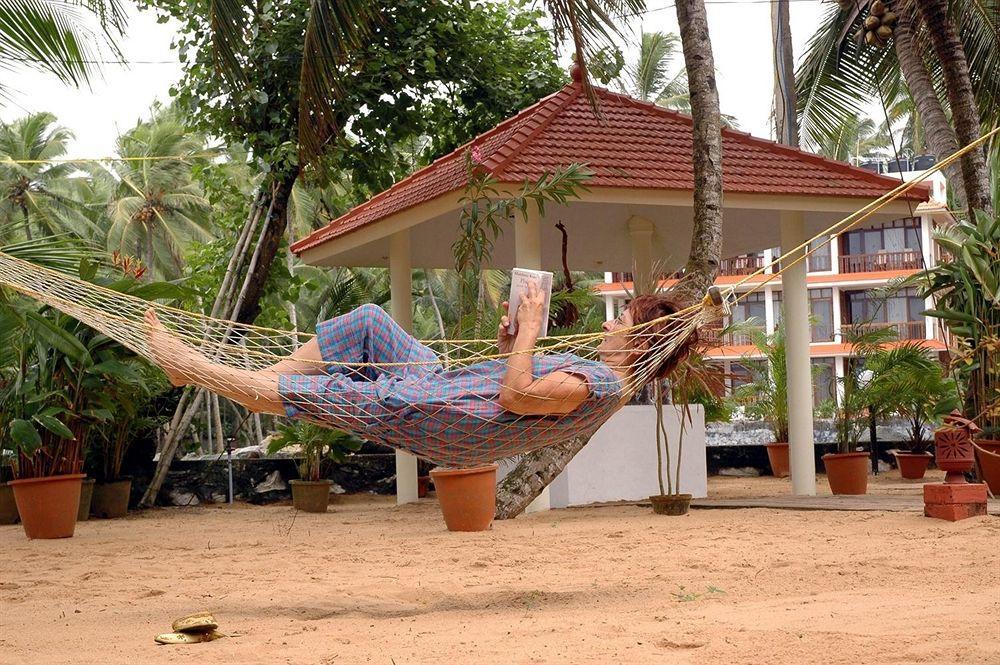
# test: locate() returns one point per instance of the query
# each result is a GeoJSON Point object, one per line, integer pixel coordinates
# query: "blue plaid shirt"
{"type": "Point", "coordinates": [451, 417]}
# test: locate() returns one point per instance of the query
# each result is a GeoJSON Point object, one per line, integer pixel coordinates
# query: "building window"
{"type": "Point", "coordinates": [901, 311]}
{"type": "Point", "coordinates": [819, 260]}
{"type": "Point", "coordinates": [821, 310]}
{"type": "Point", "coordinates": [824, 380]}
{"type": "Point", "coordinates": [750, 307]}
{"type": "Point", "coordinates": [891, 246]}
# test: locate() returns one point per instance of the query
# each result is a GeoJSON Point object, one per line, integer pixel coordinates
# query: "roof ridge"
{"type": "Point", "coordinates": [545, 114]}
{"type": "Point", "coordinates": [319, 235]}
{"type": "Point", "coordinates": [764, 143]}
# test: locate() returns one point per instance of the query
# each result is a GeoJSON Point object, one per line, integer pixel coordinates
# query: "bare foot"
{"type": "Point", "coordinates": [178, 360]}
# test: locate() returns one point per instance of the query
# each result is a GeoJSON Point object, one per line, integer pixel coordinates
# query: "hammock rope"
{"type": "Point", "coordinates": [422, 403]}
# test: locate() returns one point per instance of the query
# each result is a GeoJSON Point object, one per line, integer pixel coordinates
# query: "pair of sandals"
{"type": "Point", "coordinates": [192, 629]}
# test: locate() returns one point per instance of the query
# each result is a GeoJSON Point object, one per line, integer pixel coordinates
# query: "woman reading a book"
{"type": "Point", "coordinates": [414, 398]}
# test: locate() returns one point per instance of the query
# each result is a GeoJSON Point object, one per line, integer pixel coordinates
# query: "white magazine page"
{"type": "Point", "coordinates": [519, 280]}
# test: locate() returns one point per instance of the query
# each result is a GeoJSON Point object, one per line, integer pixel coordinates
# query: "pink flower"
{"type": "Point", "coordinates": [477, 155]}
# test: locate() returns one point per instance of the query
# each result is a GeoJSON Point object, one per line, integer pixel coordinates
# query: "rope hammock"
{"type": "Point", "coordinates": [436, 399]}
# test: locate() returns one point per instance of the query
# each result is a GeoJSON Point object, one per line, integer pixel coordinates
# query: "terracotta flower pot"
{"type": "Point", "coordinates": [111, 499]}
{"type": "Point", "coordinates": [847, 472]}
{"type": "Point", "coordinates": [988, 454]}
{"type": "Point", "coordinates": [913, 466]}
{"type": "Point", "coordinates": [671, 504]}
{"type": "Point", "coordinates": [423, 486]}
{"type": "Point", "coordinates": [86, 497]}
{"type": "Point", "coordinates": [777, 456]}
{"type": "Point", "coordinates": [48, 505]}
{"type": "Point", "coordinates": [468, 497]}
{"type": "Point", "coordinates": [311, 496]}
{"type": "Point", "coordinates": [8, 509]}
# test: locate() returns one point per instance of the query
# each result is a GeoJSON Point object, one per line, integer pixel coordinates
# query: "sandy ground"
{"type": "Point", "coordinates": [370, 582]}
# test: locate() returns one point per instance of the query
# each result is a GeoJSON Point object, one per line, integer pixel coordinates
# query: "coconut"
{"type": "Point", "coordinates": [872, 22]}
{"type": "Point", "coordinates": [877, 8]}
{"type": "Point", "coordinates": [870, 38]}
{"type": "Point", "coordinates": [884, 32]}
{"type": "Point", "coordinates": [889, 19]}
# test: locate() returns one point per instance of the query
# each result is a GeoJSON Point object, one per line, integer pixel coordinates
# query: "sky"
{"type": "Point", "coordinates": [122, 95]}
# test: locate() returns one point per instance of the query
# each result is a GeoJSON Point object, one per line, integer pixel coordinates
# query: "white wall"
{"type": "Point", "coordinates": [619, 463]}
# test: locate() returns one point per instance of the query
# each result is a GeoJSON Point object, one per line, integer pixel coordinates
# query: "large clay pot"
{"type": "Point", "coordinates": [311, 496]}
{"type": "Point", "coordinates": [468, 497]}
{"type": "Point", "coordinates": [988, 454]}
{"type": "Point", "coordinates": [8, 509]}
{"type": "Point", "coordinates": [48, 505]}
{"type": "Point", "coordinates": [913, 466]}
{"type": "Point", "coordinates": [86, 496]}
{"type": "Point", "coordinates": [777, 455]}
{"type": "Point", "coordinates": [847, 472]}
{"type": "Point", "coordinates": [111, 499]}
{"type": "Point", "coordinates": [671, 504]}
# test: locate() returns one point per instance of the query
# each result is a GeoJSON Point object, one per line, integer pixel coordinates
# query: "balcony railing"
{"type": "Point", "coordinates": [904, 329]}
{"type": "Point", "coordinates": [741, 265]}
{"type": "Point", "coordinates": [713, 337]}
{"type": "Point", "coordinates": [906, 260]}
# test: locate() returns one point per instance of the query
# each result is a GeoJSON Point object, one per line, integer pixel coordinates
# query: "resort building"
{"type": "Point", "coordinates": [849, 284]}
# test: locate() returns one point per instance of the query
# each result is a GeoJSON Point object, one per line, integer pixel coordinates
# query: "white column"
{"type": "Point", "coordinates": [835, 254]}
{"type": "Point", "coordinates": [640, 230]}
{"type": "Point", "coordinates": [838, 369]}
{"type": "Point", "coordinates": [609, 301]}
{"type": "Point", "coordinates": [528, 254]}
{"type": "Point", "coordinates": [401, 294]}
{"type": "Point", "coordinates": [927, 248]}
{"type": "Point", "coordinates": [769, 318]}
{"type": "Point", "coordinates": [796, 319]}
{"type": "Point", "coordinates": [768, 257]}
{"type": "Point", "coordinates": [838, 335]}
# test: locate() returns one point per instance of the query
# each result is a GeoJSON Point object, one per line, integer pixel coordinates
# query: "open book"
{"type": "Point", "coordinates": [519, 280]}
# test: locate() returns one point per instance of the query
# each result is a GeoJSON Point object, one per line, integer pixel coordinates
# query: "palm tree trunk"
{"type": "Point", "coordinates": [537, 469]}
{"type": "Point", "coordinates": [27, 223]}
{"type": "Point", "coordinates": [964, 112]}
{"type": "Point", "coordinates": [937, 131]}
{"type": "Point", "coordinates": [149, 251]}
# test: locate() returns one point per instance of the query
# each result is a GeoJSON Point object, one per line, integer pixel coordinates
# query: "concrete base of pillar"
{"type": "Point", "coordinates": [406, 477]}
{"type": "Point", "coordinates": [954, 501]}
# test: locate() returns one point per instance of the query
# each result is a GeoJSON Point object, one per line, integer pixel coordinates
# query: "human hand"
{"type": "Point", "coordinates": [531, 309]}
{"type": "Point", "coordinates": [505, 340]}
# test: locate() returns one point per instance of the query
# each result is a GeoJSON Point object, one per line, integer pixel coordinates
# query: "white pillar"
{"type": "Point", "coordinates": [838, 369]}
{"type": "Point", "coordinates": [927, 248]}
{"type": "Point", "coordinates": [528, 254]}
{"type": "Point", "coordinates": [640, 230]}
{"type": "Point", "coordinates": [796, 319]}
{"type": "Point", "coordinates": [769, 318]}
{"type": "Point", "coordinates": [401, 294]}
{"type": "Point", "coordinates": [838, 333]}
{"type": "Point", "coordinates": [835, 253]}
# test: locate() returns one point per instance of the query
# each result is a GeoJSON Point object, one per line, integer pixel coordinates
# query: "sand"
{"type": "Point", "coordinates": [370, 582]}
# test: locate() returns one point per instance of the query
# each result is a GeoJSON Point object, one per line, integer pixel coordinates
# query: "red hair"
{"type": "Point", "coordinates": [648, 308]}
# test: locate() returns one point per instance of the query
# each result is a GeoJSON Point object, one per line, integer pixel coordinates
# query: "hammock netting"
{"type": "Point", "coordinates": [435, 398]}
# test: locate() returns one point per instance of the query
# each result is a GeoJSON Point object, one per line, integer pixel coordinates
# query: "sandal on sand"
{"type": "Point", "coordinates": [188, 638]}
{"type": "Point", "coordinates": [199, 622]}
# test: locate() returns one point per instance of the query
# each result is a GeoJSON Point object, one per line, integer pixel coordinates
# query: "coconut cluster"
{"type": "Point", "coordinates": [878, 26]}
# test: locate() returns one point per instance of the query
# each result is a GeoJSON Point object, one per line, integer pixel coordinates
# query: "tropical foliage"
{"type": "Point", "coordinates": [316, 445]}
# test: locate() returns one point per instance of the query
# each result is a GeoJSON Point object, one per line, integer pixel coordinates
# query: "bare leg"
{"type": "Point", "coordinates": [305, 360]}
{"type": "Point", "coordinates": [183, 365]}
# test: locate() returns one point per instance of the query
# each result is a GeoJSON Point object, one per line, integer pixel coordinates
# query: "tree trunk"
{"type": "Point", "coordinates": [937, 131]}
{"type": "Point", "coordinates": [786, 125]}
{"type": "Point", "coordinates": [964, 112]}
{"type": "Point", "coordinates": [27, 223]}
{"type": "Point", "coordinates": [537, 469]}
{"type": "Point", "coordinates": [274, 230]}
{"type": "Point", "coordinates": [706, 240]}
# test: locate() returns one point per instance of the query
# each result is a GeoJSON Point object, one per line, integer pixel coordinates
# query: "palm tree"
{"type": "Point", "coordinates": [840, 76]}
{"type": "Point", "coordinates": [156, 209]}
{"type": "Point", "coordinates": [856, 137]}
{"type": "Point", "coordinates": [649, 78]}
{"type": "Point", "coordinates": [53, 36]}
{"type": "Point", "coordinates": [35, 192]}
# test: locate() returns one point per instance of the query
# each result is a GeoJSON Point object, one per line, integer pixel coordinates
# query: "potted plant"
{"type": "Point", "coordinates": [765, 396]}
{"type": "Point", "coordinates": [910, 384]}
{"type": "Point", "coordinates": [311, 492]}
{"type": "Point", "coordinates": [847, 469]}
{"type": "Point", "coordinates": [692, 381]}
{"type": "Point", "coordinates": [966, 292]}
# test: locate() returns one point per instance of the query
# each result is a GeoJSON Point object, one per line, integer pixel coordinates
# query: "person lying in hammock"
{"type": "Point", "coordinates": [363, 373]}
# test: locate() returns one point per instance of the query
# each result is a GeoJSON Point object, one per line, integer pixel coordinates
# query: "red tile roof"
{"type": "Point", "coordinates": [638, 145]}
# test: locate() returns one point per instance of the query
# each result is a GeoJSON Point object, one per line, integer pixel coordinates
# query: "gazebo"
{"type": "Point", "coordinates": [638, 209]}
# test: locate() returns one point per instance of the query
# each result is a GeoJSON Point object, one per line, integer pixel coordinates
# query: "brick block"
{"type": "Point", "coordinates": [954, 511]}
{"type": "Point", "coordinates": [945, 493]}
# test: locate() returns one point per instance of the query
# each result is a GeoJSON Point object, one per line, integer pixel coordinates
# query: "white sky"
{"type": "Point", "coordinates": [741, 40]}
